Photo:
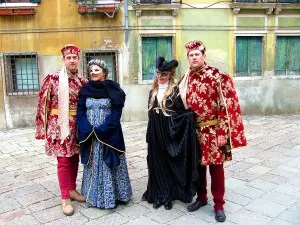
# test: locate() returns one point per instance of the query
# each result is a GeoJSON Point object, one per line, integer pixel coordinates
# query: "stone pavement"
{"type": "Point", "coordinates": [262, 182]}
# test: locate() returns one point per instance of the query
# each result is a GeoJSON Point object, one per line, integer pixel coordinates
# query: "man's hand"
{"type": "Point", "coordinates": [221, 141]}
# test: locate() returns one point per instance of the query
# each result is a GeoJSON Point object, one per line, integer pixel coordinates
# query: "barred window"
{"type": "Point", "coordinates": [110, 58]}
{"type": "Point", "coordinates": [21, 72]}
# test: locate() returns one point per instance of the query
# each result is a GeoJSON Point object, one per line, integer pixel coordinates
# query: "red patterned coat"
{"type": "Point", "coordinates": [47, 121]}
{"type": "Point", "coordinates": [211, 94]}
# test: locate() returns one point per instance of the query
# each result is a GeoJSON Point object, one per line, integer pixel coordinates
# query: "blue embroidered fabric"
{"type": "Point", "coordinates": [103, 186]}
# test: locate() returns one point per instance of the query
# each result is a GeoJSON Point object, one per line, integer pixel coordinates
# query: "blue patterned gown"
{"type": "Point", "coordinates": [103, 186]}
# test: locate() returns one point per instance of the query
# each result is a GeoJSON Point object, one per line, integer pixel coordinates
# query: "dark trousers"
{"type": "Point", "coordinates": [67, 168]}
{"type": "Point", "coordinates": [217, 185]}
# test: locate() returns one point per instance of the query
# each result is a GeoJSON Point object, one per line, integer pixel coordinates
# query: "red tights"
{"type": "Point", "coordinates": [67, 168]}
{"type": "Point", "coordinates": [217, 185]}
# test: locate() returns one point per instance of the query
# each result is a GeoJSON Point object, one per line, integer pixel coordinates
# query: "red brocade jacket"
{"type": "Point", "coordinates": [47, 116]}
{"type": "Point", "coordinates": [211, 94]}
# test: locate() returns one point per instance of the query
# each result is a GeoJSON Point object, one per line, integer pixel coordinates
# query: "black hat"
{"type": "Point", "coordinates": [163, 65]}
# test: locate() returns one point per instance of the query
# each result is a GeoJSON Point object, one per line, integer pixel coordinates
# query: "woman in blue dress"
{"type": "Point", "coordinates": [105, 182]}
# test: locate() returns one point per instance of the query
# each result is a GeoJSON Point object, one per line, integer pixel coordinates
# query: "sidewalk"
{"type": "Point", "coordinates": [262, 181]}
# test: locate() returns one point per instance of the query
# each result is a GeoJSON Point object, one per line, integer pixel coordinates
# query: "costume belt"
{"type": "Point", "coordinates": [207, 123]}
{"type": "Point", "coordinates": [72, 112]}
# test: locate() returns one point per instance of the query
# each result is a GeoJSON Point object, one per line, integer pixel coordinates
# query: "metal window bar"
{"type": "Point", "coordinates": [110, 58]}
{"type": "Point", "coordinates": [21, 73]}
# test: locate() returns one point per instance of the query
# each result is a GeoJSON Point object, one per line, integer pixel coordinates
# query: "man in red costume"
{"type": "Point", "coordinates": [211, 95]}
{"type": "Point", "coordinates": [55, 122]}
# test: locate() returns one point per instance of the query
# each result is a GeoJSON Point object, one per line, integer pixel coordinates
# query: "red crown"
{"type": "Point", "coordinates": [195, 45]}
{"type": "Point", "coordinates": [70, 49]}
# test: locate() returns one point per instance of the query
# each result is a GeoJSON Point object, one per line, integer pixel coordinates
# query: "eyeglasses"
{"type": "Point", "coordinates": [162, 74]}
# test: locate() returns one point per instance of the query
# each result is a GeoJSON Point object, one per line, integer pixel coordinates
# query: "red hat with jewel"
{"type": "Point", "coordinates": [195, 45]}
{"type": "Point", "coordinates": [70, 49]}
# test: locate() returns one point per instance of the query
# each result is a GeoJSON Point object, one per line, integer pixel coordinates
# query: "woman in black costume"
{"type": "Point", "coordinates": [172, 142]}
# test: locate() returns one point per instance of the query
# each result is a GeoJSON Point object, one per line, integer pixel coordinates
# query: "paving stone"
{"type": "Point", "coordinates": [188, 219]}
{"type": "Point", "coordinates": [162, 216]}
{"type": "Point", "coordinates": [280, 198]}
{"type": "Point", "coordinates": [49, 215]}
{"type": "Point", "coordinates": [289, 189]}
{"type": "Point", "coordinates": [133, 211]}
{"type": "Point", "coordinates": [35, 207]}
{"type": "Point", "coordinates": [273, 178]}
{"type": "Point", "coordinates": [268, 137]}
{"type": "Point", "coordinates": [114, 219]}
{"type": "Point", "coordinates": [262, 185]}
{"type": "Point", "coordinates": [75, 219]}
{"type": "Point", "coordinates": [281, 222]}
{"type": "Point", "coordinates": [258, 169]}
{"type": "Point", "coordinates": [23, 220]}
{"type": "Point", "coordinates": [11, 215]}
{"type": "Point", "coordinates": [246, 217]}
{"type": "Point", "coordinates": [93, 213]}
{"type": "Point", "coordinates": [266, 208]}
{"type": "Point", "coordinates": [8, 204]}
{"type": "Point", "coordinates": [291, 215]}
{"type": "Point", "coordinates": [236, 198]}
{"type": "Point", "coordinates": [142, 220]}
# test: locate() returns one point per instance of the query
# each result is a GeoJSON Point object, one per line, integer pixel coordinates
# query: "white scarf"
{"type": "Point", "coordinates": [161, 91]}
{"type": "Point", "coordinates": [183, 88]}
{"type": "Point", "coordinates": [63, 104]}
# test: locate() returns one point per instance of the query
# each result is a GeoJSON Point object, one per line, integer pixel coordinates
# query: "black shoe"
{"type": "Point", "coordinates": [156, 205]}
{"type": "Point", "coordinates": [119, 202]}
{"type": "Point", "coordinates": [196, 205]}
{"type": "Point", "coordinates": [220, 216]}
{"type": "Point", "coordinates": [144, 197]}
{"type": "Point", "coordinates": [168, 205]}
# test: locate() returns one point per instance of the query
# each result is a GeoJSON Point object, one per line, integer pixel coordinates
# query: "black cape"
{"type": "Point", "coordinates": [110, 132]}
{"type": "Point", "coordinates": [173, 153]}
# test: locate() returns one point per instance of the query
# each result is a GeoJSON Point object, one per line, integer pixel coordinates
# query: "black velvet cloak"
{"type": "Point", "coordinates": [110, 132]}
{"type": "Point", "coordinates": [173, 153]}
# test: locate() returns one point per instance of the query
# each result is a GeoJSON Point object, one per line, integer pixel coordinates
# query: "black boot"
{"type": "Point", "coordinates": [220, 216]}
{"type": "Point", "coordinates": [196, 205]}
{"type": "Point", "coordinates": [168, 205]}
{"type": "Point", "coordinates": [156, 205]}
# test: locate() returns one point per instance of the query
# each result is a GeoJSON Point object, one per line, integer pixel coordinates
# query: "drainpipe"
{"type": "Point", "coordinates": [126, 20]}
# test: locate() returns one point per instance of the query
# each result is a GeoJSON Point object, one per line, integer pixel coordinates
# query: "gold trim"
{"type": "Point", "coordinates": [72, 112]}
{"type": "Point", "coordinates": [207, 123]}
{"type": "Point", "coordinates": [227, 114]}
{"type": "Point", "coordinates": [108, 144]}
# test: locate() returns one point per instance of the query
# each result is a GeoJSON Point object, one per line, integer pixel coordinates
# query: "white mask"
{"type": "Point", "coordinates": [95, 69]}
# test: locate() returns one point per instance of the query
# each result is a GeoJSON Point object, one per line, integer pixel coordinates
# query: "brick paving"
{"type": "Point", "coordinates": [262, 181]}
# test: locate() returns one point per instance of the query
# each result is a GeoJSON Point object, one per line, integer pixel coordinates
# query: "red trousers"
{"type": "Point", "coordinates": [217, 185]}
{"type": "Point", "coordinates": [67, 168]}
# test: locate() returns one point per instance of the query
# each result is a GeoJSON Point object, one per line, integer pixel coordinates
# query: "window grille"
{"type": "Point", "coordinates": [21, 73]}
{"type": "Point", "coordinates": [110, 58]}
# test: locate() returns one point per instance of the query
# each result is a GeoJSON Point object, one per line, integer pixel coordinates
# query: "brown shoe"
{"type": "Point", "coordinates": [75, 196]}
{"type": "Point", "coordinates": [67, 207]}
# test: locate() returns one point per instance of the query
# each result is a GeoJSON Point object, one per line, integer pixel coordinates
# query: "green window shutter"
{"type": "Point", "coordinates": [248, 56]}
{"type": "Point", "coordinates": [288, 55]}
{"type": "Point", "coordinates": [35, 1]}
{"type": "Point", "coordinates": [152, 47]}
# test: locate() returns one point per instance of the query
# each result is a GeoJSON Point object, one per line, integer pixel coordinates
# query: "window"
{"type": "Point", "coordinates": [110, 58]}
{"type": "Point", "coordinates": [248, 56]}
{"type": "Point", "coordinates": [152, 47]}
{"type": "Point", "coordinates": [21, 72]}
{"type": "Point", "coordinates": [20, 1]}
{"type": "Point", "coordinates": [288, 55]}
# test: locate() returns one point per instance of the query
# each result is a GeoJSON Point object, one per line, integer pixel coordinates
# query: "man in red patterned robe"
{"type": "Point", "coordinates": [211, 95]}
{"type": "Point", "coordinates": [55, 122]}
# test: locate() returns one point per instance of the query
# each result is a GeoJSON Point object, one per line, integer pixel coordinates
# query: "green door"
{"type": "Point", "coordinates": [248, 56]}
{"type": "Point", "coordinates": [152, 47]}
{"type": "Point", "coordinates": [288, 55]}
